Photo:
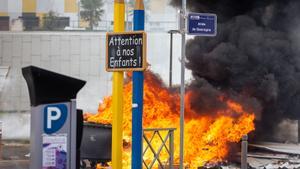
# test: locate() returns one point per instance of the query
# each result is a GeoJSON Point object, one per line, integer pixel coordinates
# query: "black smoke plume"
{"type": "Point", "coordinates": [255, 55]}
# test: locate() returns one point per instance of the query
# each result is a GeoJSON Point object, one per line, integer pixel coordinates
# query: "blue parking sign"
{"type": "Point", "coordinates": [202, 24]}
{"type": "Point", "coordinates": [55, 117]}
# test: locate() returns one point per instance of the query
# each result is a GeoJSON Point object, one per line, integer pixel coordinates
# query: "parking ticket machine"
{"type": "Point", "coordinates": [54, 142]}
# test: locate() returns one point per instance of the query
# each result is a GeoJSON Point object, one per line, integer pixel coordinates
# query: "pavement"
{"type": "Point", "coordinates": [13, 155]}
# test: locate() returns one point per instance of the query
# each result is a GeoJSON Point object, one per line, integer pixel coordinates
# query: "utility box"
{"type": "Point", "coordinates": [54, 136]}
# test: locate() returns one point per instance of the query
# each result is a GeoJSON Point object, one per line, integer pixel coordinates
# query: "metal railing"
{"type": "Point", "coordinates": [169, 137]}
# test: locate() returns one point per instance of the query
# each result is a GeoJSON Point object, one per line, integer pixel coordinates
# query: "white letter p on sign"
{"type": "Point", "coordinates": [53, 113]}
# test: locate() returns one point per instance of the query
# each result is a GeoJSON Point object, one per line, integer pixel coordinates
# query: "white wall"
{"type": "Point", "coordinates": [15, 126]}
{"type": "Point", "coordinates": [81, 55]}
{"type": "Point", "coordinates": [78, 55]}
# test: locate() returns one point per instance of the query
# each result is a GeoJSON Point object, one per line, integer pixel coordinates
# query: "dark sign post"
{"type": "Point", "coordinates": [202, 24]}
{"type": "Point", "coordinates": [199, 24]}
{"type": "Point", "coordinates": [126, 51]}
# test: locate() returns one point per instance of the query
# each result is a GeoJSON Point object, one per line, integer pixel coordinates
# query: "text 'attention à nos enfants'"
{"type": "Point", "coordinates": [125, 51]}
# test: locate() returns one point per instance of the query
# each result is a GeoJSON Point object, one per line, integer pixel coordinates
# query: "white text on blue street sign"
{"type": "Point", "coordinates": [202, 24]}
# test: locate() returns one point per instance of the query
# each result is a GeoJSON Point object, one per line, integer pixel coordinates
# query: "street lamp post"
{"type": "Point", "coordinates": [78, 24]}
{"type": "Point", "coordinates": [171, 32]}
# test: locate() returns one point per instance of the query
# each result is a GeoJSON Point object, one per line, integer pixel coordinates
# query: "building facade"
{"type": "Point", "coordinates": [159, 15]}
{"type": "Point", "coordinates": [31, 10]}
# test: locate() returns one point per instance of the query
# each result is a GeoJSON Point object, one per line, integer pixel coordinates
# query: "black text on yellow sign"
{"type": "Point", "coordinates": [126, 51]}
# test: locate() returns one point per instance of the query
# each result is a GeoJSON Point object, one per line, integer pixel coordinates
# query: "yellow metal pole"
{"type": "Point", "coordinates": [117, 93]}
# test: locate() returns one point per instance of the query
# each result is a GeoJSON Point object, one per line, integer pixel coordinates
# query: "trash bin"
{"type": "Point", "coordinates": [56, 128]}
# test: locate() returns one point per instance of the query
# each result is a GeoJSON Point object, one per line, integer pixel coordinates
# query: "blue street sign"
{"type": "Point", "coordinates": [202, 24]}
{"type": "Point", "coordinates": [55, 117]}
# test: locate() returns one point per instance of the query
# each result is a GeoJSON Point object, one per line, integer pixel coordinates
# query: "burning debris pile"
{"type": "Point", "coordinates": [210, 134]}
{"type": "Point", "coordinates": [254, 56]}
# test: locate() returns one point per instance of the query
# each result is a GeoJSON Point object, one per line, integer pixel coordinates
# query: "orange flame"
{"type": "Point", "coordinates": [207, 137]}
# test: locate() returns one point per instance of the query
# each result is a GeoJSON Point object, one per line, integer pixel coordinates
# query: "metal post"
{"type": "Point", "coordinates": [298, 131]}
{"type": "Point", "coordinates": [137, 95]}
{"type": "Point", "coordinates": [171, 144]}
{"type": "Point", "coordinates": [73, 135]}
{"type": "Point", "coordinates": [117, 94]}
{"type": "Point", "coordinates": [1, 126]}
{"type": "Point", "coordinates": [244, 152]}
{"type": "Point", "coordinates": [78, 4]}
{"type": "Point", "coordinates": [171, 58]}
{"type": "Point", "coordinates": [182, 89]}
{"type": "Point", "coordinates": [171, 32]}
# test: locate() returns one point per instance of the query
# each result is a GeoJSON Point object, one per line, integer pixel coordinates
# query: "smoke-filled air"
{"type": "Point", "coordinates": [255, 58]}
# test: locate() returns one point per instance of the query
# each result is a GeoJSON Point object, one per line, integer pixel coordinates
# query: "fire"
{"type": "Point", "coordinates": [207, 137]}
